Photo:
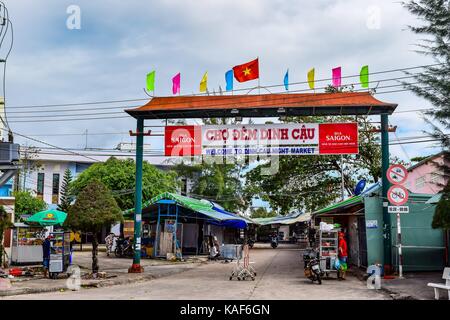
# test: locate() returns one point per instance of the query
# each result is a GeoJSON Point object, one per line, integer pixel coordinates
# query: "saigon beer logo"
{"type": "Point", "coordinates": [49, 216]}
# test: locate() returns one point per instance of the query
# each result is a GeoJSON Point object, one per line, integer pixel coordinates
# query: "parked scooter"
{"type": "Point", "coordinates": [124, 248]}
{"type": "Point", "coordinates": [312, 267]}
{"type": "Point", "coordinates": [274, 241]}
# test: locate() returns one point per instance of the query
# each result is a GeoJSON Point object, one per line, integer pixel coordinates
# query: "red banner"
{"type": "Point", "coordinates": [338, 138]}
{"type": "Point", "coordinates": [183, 140]}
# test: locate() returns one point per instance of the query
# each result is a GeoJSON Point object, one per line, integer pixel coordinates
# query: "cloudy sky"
{"type": "Point", "coordinates": [120, 41]}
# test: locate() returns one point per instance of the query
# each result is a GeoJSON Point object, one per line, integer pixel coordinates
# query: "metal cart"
{"type": "Point", "coordinates": [59, 253]}
{"type": "Point", "coordinates": [328, 250]}
{"type": "Point", "coordinates": [242, 270]}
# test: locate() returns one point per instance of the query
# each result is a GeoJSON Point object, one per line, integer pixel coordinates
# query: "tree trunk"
{"type": "Point", "coordinates": [94, 253]}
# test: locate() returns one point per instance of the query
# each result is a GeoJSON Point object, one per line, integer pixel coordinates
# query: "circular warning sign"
{"type": "Point", "coordinates": [397, 195]}
{"type": "Point", "coordinates": [397, 174]}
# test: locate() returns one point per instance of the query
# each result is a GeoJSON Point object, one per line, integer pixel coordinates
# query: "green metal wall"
{"type": "Point", "coordinates": [416, 231]}
{"type": "Point", "coordinates": [373, 212]}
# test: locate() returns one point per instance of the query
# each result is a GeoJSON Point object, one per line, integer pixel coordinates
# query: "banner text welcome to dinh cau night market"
{"type": "Point", "coordinates": [254, 139]}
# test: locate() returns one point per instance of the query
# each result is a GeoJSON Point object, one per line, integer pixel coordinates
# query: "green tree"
{"type": "Point", "coordinates": [66, 198]}
{"type": "Point", "coordinates": [441, 218]}
{"type": "Point", "coordinates": [26, 203]}
{"type": "Point", "coordinates": [218, 182]}
{"type": "Point", "coordinates": [262, 212]}
{"type": "Point", "coordinates": [94, 208]}
{"type": "Point", "coordinates": [119, 176]}
{"type": "Point", "coordinates": [5, 223]}
{"type": "Point", "coordinates": [433, 84]}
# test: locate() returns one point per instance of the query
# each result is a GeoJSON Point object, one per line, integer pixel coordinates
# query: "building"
{"type": "Point", "coordinates": [426, 176]}
{"type": "Point", "coordinates": [361, 218]}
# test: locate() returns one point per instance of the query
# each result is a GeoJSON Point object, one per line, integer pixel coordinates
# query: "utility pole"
{"type": "Point", "coordinates": [342, 177]}
{"type": "Point", "coordinates": [139, 134]}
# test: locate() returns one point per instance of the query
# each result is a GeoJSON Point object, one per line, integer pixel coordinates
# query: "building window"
{"type": "Point", "coordinates": [55, 188]}
{"type": "Point", "coordinates": [40, 185]}
{"type": "Point", "coordinates": [420, 182]}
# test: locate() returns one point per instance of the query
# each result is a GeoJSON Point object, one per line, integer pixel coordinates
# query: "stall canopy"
{"type": "Point", "coordinates": [291, 218]}
{"type": "Point", "coordinates": [350, 202]}
{"type": "Point", "coordinates": [47, 218]}
{"type": "Point", "coordinates": [214, 214]}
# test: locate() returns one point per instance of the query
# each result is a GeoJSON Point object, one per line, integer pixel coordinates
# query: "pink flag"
{"type": "Point", "coordinates": [176, 83]}
{"type": "Point", "coordinates": [336, 77]}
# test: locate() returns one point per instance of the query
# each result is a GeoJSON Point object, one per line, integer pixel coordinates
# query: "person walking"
{"type": "Point", "coordinates": [46, 255]}
{"type": "Point", "coordinates": [343, 254]}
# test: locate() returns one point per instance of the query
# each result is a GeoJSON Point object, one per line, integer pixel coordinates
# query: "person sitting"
{"type": "Point", "coordinates": [214, 250]}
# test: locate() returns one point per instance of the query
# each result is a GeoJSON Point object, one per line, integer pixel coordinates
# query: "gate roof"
{"type": "Point", "coordinates": [262, 105]}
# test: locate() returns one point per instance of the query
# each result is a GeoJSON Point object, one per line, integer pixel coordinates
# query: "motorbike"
{"type": "Point", "coordinates": [274, 241]}
{"type": "Point", "coordinates": [124, 248]}
{"type": "Point", "coordinates": [312, 267]}
{"type": "Point", "coordinates": [250, 243]}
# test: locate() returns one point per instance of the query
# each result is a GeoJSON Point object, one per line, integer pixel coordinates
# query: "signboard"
{"type": "Point", "coordinates": [398, 209]}
{"type": "Point", "coordinates": [371, 224]}
{"type": "Point", "coordinates": [397, 174]}
{"type": "Point", "coordinates": [254, 139]}
{"type": "Point", "coordinates": [397, 195]}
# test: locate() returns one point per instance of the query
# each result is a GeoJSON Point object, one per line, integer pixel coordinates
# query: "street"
{"type": "Point", "coordinates": [279, 276]}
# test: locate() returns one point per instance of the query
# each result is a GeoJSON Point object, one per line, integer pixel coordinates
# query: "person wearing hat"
{"type": "Point", "coordinates": [342, 254]}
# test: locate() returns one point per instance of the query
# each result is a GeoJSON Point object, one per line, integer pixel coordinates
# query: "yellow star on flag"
{"type": "Point", "coordinates": [247, 71]}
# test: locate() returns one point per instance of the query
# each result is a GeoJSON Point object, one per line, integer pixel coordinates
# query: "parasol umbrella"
{"type": "Point", "coordinates": [48, 218]}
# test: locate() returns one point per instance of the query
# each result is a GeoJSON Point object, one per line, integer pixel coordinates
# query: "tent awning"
{"type": "Point", "coordinates": [289, 219]}
{"type": "Point", "coordinates": [201, 206]}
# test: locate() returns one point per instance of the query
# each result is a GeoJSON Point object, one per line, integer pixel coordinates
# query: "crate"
{"type": "Point", "coordinates": [231, 251]}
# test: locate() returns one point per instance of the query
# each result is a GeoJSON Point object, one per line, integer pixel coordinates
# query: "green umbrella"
{"type": "Point", "coordinates": [48, 218]}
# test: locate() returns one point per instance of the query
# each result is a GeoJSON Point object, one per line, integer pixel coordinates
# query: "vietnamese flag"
{"type": "Point", "coordinates": [247, 71]}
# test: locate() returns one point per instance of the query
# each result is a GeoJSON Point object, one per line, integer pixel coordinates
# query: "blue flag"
{"type": "Point", "coordinates": [286, 80]}
{"type": "Point", "coordinates": [229, 80]}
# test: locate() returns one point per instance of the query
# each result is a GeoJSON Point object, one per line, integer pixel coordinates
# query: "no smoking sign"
{"type": "Point", "coordinates": [397, 195]}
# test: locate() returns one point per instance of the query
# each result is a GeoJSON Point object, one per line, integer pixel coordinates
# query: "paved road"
{"type": "Point", "coordinates": [279, 276]}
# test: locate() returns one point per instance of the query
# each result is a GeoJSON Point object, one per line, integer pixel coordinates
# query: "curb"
{"type": "Point", "coordinates": [95, 283]}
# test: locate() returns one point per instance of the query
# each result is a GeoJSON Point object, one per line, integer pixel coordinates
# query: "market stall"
{"type": "Point", "coordinates": [27, 243]}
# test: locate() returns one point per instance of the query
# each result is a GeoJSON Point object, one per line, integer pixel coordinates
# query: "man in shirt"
{"type": "Point", "coordinates": [342, 256]}
{"type": "Point", "coordinates": [46, 255]}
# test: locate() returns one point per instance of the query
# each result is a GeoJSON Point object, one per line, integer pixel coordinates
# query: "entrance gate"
{"type": "Point", "coordinates": [259, 105]}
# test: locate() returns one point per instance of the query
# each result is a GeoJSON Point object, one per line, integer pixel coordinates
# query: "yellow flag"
{"type": "Point", "coordinates": [311, 78]}
{"type": "Point", "coordinates": [204, 82]}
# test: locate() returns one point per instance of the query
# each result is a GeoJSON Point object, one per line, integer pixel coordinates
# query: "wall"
{"type": "Point", "coordinates": [417, 231]}
{"type": "Point", "coordinates": [425, 171]}
{"type": "Point", "coordinates": [374, 212]}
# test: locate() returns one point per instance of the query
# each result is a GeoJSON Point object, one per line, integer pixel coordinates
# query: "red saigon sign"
{"type": "Point", "coordinates": [183, 140]}
{"type": "Point", "coordinates": [338, 138]}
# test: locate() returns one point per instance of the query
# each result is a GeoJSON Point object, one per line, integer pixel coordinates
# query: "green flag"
{"type": "Point", "coordinates": [364, 76]}
{"type": "Point", "coordinates": [151, 81]}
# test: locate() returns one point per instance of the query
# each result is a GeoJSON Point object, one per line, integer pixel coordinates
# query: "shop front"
{"type": "Point", "coordinates": [178, 225]}
{"type": "Point", "coordinates": [361, 218]}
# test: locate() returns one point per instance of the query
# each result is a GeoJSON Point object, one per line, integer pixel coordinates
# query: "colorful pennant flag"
{"type": "Point", "coordinates": [151, 81]}
{"type": "Point", "coordinates": [286, 80]}
{"type": "Point", "coordinates": [176, 81]}
{"type": "Point", "coordinates": [336, 76]}
{"type": "Point", "coordinates": [311, 78]}
{"type": "Point", "coordinates": [364, 77]}
{"type": "Point", "coordinates": [204, 82]}
{"type": "Point", "coordinates": [229, 80]}
{"type": "Point", "coordinates": [247, 71]}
